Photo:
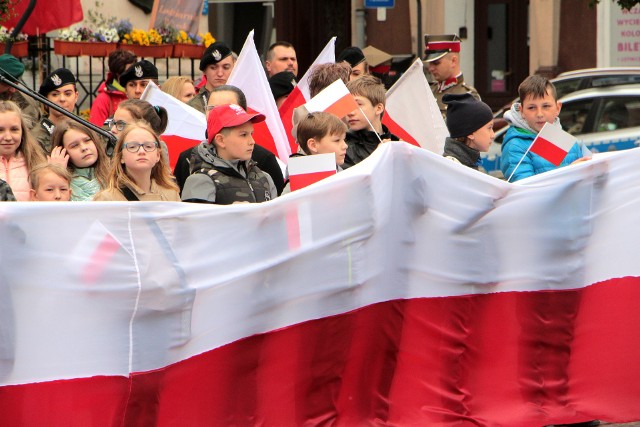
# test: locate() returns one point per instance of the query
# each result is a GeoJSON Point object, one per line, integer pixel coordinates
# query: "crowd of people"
{"type": "Point", "coordinates": [47, 156]}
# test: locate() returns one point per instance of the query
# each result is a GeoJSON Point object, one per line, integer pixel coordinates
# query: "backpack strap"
{"type": "Point", "coordinates": [129, 195]}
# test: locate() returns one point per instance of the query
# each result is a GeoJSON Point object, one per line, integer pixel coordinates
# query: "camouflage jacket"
{"type": "Point", "coordinates": [199, 102]}
{"type": "Point", "coordinates": [214, 180]}
{"type": "Point", "coordinates": [6, 195]}
{"type": "Point", "coordinates": [30, 110]}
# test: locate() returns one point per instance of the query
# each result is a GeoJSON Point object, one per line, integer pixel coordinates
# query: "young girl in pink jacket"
{"type": "Point", "coordinates": [19, 152]}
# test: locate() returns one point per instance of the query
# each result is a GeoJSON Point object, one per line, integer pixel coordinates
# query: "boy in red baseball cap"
{"type": "Point", "coordinates": [224, 172]}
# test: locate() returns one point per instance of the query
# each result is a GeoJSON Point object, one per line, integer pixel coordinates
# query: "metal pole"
{"type": "Point", "coordinates": [419, 35]}
{"type": "Point", "coordinates": [20, 24]}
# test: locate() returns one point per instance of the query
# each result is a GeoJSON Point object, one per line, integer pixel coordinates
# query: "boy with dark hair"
{"type": "Point", "coordinates": [366, 130]}
{"type": "Point", "coordinates": [225, 173]}
{"type": "Point", "coordinates": [538, 105]}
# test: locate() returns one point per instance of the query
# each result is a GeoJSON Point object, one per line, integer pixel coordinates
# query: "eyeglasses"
{"type": "Point", "coordinates": [120, 124]}
{"type": "Point", "coordinates": [134, 147]}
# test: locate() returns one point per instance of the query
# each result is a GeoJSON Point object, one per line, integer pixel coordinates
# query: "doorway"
{"type": "Point", "coordinates": [501, 49]}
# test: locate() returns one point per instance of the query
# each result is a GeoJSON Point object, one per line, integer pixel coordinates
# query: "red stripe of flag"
{"type": "Point", "coordinates": [470, 359]}
{"type": "Point", "coordinates": [103, 253]}
{"type": "Point", "coordinates": [548, 150]}
{"type": "Point", "coordinates": [397, 130]}
{"type": "Point", "coordinates": [304, 180]}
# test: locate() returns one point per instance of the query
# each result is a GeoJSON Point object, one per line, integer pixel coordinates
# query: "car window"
{"type": "Point", "coordinates": [618, 113]}
{"type": "Point", "coordinates": [573, 116]}
{"type": "Point", "coordinates": [564, 87]}
{"type": "Point", "coordinates": [615, 80]}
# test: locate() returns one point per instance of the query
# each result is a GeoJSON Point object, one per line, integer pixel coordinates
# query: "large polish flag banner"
{"type": "Point", "coordinates": [498, 306]}
{"type": "Point", "coordinates": [552, 143]}
{"type": "Point", "coordinates": [412, 112]}
{"type": "Point", "coordinates": [301, 94]}
{"type": "Point", "coordinates": [335, 99]}
{"type": "Point", "coordinates": [186, 126]}
{"type": "Point", "coordinates": [248, 74]}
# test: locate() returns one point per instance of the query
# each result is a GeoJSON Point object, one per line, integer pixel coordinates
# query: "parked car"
{"type": "Point", "coordinates": [573, 81]}
{"type": "Point", "coordinates": [604, 119]}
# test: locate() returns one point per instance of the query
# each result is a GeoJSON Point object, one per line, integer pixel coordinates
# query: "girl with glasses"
{"type": "Point", "coordinates": [79, 150]}
{"type": "Point", "coordinates": [139, 172]}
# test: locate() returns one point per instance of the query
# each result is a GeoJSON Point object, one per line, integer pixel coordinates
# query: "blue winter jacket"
{"type": "Point", "coordinates": [515, 144]}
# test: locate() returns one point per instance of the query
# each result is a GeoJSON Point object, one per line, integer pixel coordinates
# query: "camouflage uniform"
{"type": "Point", "coordinates": [199, 102]}
{"type": "Point", "coordinates": [453, 85]}
{"type": "Point", "coordinates": [43, 132]}
{"type": "Point", "coordinates": [6, 195]}
{"type": "Point", "coordinates": [225, 183]}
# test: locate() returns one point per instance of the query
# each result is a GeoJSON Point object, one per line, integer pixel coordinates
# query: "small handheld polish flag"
{"type": "Point", "coordinates": [335, 99]}
{"type": "Point", "coordinates": [306, 170]}
{"type": "Point", "coordinates": [552, 143]}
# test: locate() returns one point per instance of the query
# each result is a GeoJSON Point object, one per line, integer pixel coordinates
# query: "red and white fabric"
{"type": "Point", "coordinates": [301, 94]}
{"type": "Point", "coordinates": [466, 300]}
{"type": "Point", "coordinates": [248, 74]}
{"type": "Point", "coordinates": [186, 126]}
{"type": "Point", "coordinates": [412, 113]}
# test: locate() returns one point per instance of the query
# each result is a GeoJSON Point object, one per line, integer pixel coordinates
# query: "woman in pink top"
{"type": "Point", "coordinates": [19, 152]}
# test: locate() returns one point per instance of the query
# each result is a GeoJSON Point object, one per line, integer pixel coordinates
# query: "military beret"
{"type": "Point", "coordinates": [282, 83]}
{"type": "Point", "coordinates": [55, 80]}
{"type": "Point", "coordinates": [139, 71]}
{"type": "Point", "coordinates": [10, 66]}
{"type": "Point", "coordinates": [353, 55]}
{"type": "Point", "coordinates": [215, 53]}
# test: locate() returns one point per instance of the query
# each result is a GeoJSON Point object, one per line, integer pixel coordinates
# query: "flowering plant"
{"type": "Point", "coordinates": [188, 38]}
{"type": "Point", "coordinates": [86, 34]}
{"type": "Point", "coordinates": [207, 39]}
{"type": "Point", "coordinates": [5, 35]}
{"type": "Point", "coordinates": [142, 37]}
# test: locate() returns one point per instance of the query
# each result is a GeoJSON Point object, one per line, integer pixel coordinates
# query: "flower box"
{"type": "Point", "coordinates": [69, 48]}
{"type": "Point", "coordinates": [18, 49]}
{"type": "Point", "coordinates": [151, 51]}
{"type": "Point", "coordinates": [187, 50]}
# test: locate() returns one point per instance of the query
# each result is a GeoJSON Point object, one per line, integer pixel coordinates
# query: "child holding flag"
{"type": "Point", "coordinates": [538, 105]}
{"type": "Point", "coordinates": [366, 130]}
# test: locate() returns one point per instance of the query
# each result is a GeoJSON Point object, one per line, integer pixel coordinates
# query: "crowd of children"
{"type": "Point", "coordinates": [47, 156]}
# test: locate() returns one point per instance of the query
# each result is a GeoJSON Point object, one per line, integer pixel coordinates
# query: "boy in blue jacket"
{"type": "Point", "coordinates": [538, 105]}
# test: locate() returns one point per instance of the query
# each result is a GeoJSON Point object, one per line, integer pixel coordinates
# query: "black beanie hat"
{"type": "Point", "coordinates": [215, 53]}
{"type": "Point", "coordinates": [465, 114]}
{"type": "Point", "coordinates": [56, 80]}
{"type": "Point", "coordinates": [282, 83]}
{"type": "Point", "coordinates": [353, 55]}
{"type": "Point", "coordinates": [139, 71]}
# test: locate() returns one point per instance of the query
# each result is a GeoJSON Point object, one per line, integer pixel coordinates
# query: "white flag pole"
{"type": "Point", "coordinates": [523, 156]}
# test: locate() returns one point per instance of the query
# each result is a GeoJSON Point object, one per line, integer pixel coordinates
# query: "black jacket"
{"type": "Point", "coordinates": [361, 144]}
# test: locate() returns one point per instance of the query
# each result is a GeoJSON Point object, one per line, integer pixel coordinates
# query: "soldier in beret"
{"type": "Point", "coordinates": [11, 68]}
{"type": "Point", "coordinates": [443, 63]}
{"type": "Point", "coordinates": [216, 64]}
{"type": "Point", "coordinates": [137, 77]}
{"type": "Point", "coordinates": [354, 56]}
{"type": "Point", "coordinates": [58, 87]}
{"type": "Point", "coordinates": [282, 85]}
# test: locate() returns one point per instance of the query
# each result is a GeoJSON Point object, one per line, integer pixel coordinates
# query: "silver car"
{"type": "Point", "coordinates": [604, 119]}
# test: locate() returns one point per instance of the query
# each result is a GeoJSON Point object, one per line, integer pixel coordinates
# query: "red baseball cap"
{"type": "Point", "coordinates": [228, 116]}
